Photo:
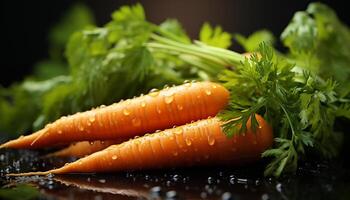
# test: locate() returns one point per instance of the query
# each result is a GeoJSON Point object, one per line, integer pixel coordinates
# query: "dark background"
{"type": "Point", "coordinates": [25, 24]}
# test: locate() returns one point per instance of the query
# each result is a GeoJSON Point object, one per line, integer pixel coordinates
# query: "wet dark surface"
{"type": "Point", "coordinates": [314, 180]}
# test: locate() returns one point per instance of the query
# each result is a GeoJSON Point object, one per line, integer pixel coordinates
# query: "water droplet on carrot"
{"type": "Point", "coordinates": [81, 128]}
{"type": "Point", "coordinates": [169, 99]}
{"type": "Point", "coordinates": [143, 104]}
{"type": "Point", "coordinates": [114, 157]}
{"type": "Point", "coordinates": [136, 122]}
{"type": "Point", "coordinates": [166, 87]}
{"type": "Point", "coordinates": [102, 142]}
{"type": "Point", "coordinates": [175, 153]}
{"type": "Point", "coordinates": [126, 112]}
{"type": "Point", "coordinates": [188, 141]}
{"type": "Point", "coordinates": [154, 92]}
{"type": "Point", "coordinates": [180, 107]}
{"type": "Point", "coordinates": [214, 86]}
{"type": "Point", "coordinates": [157, 131]}
{"type": "Point", "coordinates": [102, 106]}
{"type": "Point", "coordinates": [260, 126]}
{"type": "Point", "coordinates": [178, 131]}
{"type": "Point", "coordinates": [208, 92]}
{"type": "Point", "coordinates": [80, 162]}
{"type": "Point", "coordinates": [159, 111]}
{"type": "Point", "coordinates": [92, 118]}
{"type": "Point", "coordinates": [59, 131]}
{"type": "Point", "coordinates": [211, 140]}
{"type": "Point", "coordinates": [91, 143]}
{"type": "Point", "coordinates": [187, 84]}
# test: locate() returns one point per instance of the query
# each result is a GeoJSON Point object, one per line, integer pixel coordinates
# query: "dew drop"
{"type": "Point", "coordinates": [81, 128]}
{"type": "Point", "coordinates": [187, 84]}
{"type": "Point", "coordinates": [143, 104]}
{"type": "Point", "coordinates": [188, 141]}
{"type": "Point", "coordinates": [126, 112]}
{"type": "Point", "coordinates": [169, 99]}
{"type": "Point", "coordinates": [166, 87]}
{"type": "Point", "coordinates": [175, 153]}
{"type": "Point", "coordinates": [80, 162]}
{"type": "Point", "coordinates": [157, 131]}
{"type": "Point", "coordinates": [102, 106]}
{"type": "Point", "coordinates": [114, 157]}
{"type": "Point", "coordinates": [260, 127]}
{"type": "Point", "coordinates": [91, 143]}
{"type": "Point", "coordinates": [92, 118]}
{"type": "Point", "coordinates": [88, 123]}
{"type": "Point", "coordinates": [214, 86]}
{"type": "Point", "coordinates": [180, 107]}
{"type": "Point", "coordinates": [159, 111]}
{"type": "Point", "coordinates": [154, 92]}
{"type": "Point", "coordinates": [208, 92]}
{"type": "Point", "coordinates": [59, 131]}
{"type": "Point", "coordinates": [136, 122]}
{"type": "Point", "coordinates": [178, 131]}
{"type": "Point", "coordinates": [211, 140]}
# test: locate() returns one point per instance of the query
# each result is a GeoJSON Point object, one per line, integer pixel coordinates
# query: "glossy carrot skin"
{"type": "Point", "coordinates": [199, 143]}
{"type": "Point", "coordinates": [81, 149]}
{"type": "Point", "coordinates": [157, 110]}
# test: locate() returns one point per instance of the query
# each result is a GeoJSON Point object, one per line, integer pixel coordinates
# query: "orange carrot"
{"type": "Point", "coordinates": [199, 143]}
{"type": "Point", "coordinates": [157, 110]}
{"type": "Point", "coordinates": [81, 149]}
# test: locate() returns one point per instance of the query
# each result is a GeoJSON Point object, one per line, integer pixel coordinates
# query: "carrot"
{"type": "Point", "coordinates": [199, 143]}
{"type": "Point", "coordinates": [157, 110]}
{"type": "Point", "coordinates": [81, 149]}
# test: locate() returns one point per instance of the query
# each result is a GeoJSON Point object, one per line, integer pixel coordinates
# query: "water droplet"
{"type": "Point", "coordinates": [154, 92]}
{"type": "Point", "coordinates": [157, 131]}
{"type": "Point", "coordinates": [211, 140]}
{"type": "Point", "coordinates": [102, 106]}
{"type": "Point", "coordinates": [198, 96]}
{"type": "Point", "coordinates": [159, 111]}
{"type": "Point", "coordinates": [91, 143]}
{"type": "Point", "coordinates": [214, 86]}
{"type": "Point", "coordinates": [187, 81]}
{"type": "Point", "coordinates": [81, 128]}
{"type": "Point", "coordinates": [169, 99]}
{"type": "Point", "coordinates": [188, 141]}
{"type": "Point", "coordinates": [180, 107]}
{"type": "Point", "coordinates": [166, 87]}
{"type": "Point", "coordinates": [136, 122]}
{"type": "Point", "coordinates": [92, 118]}
{"type": "Point", "coordinates": [143, 104]}
{"type": "Point", "coordinates": [114, 157]}
{"type": "Point", "coordinates": [126, 112]}
{"type": "Point", "coordinates": [208, 92]}
{"type": "Point", "coordinates": [80, 162]}
{"type": "Point", "coordinates": [59, 131]}
{"type": "Point", "coordinates": [178, 131]}
{"type": "Point", "coordinates": [175, 153]}
{"type": "Point", "coordinates": [187, 84]}
{"type": "Point", "coordinates": [260, 126]}
{"type": "Point", "coordinates": [102, 142]}
{"type": "Point", "coordinates": [102, 180]}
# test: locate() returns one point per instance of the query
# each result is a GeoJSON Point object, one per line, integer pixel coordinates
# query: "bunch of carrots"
{"type": "Point", "coordinates": [127, 135]}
